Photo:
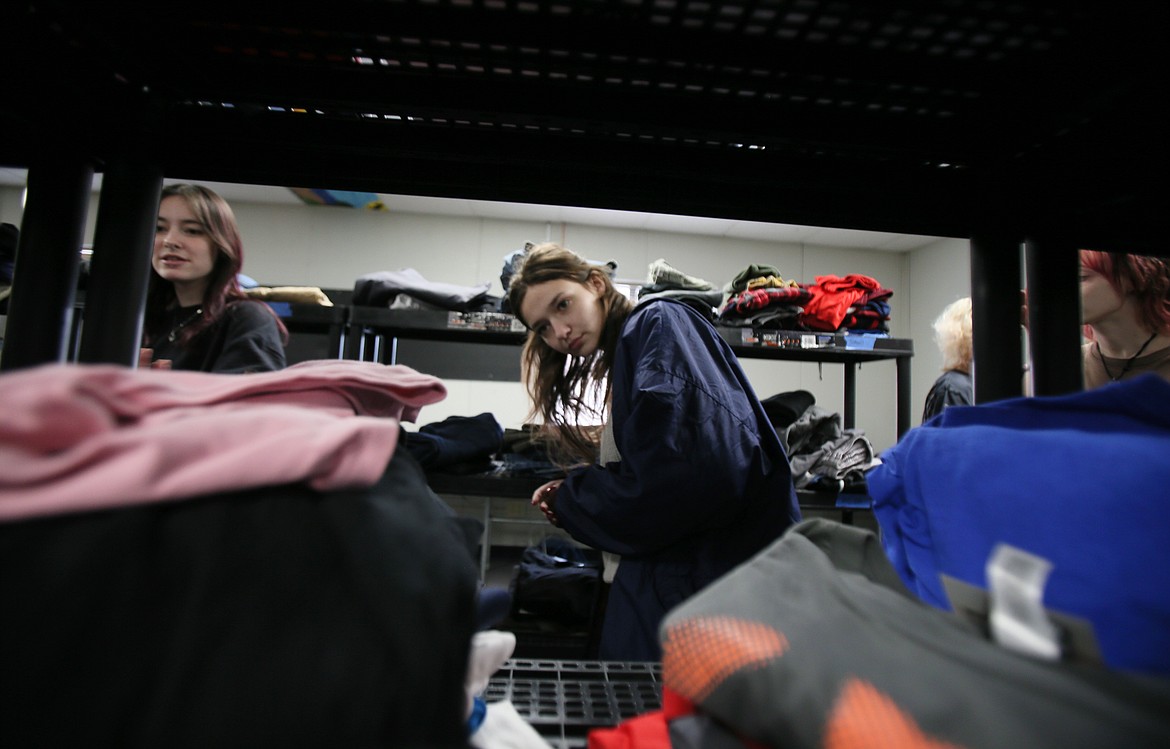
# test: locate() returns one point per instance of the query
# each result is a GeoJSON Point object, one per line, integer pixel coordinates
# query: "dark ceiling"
{"type": "Point", "coordinates": [939, 117]}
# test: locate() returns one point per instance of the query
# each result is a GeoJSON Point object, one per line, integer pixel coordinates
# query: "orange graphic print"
{"type": "Point", "coordinates": [865, 717]}
{"type": "Point", "coordinates": [699, 654]}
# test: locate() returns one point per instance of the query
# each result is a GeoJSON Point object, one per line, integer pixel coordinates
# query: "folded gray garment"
{"type": "Point", "coordinates": [802, 463]}
{"type": "Point", "coordinates": [661, 272]}
{"type": "Point", "coordinates": [816, 426]}
{"type": "Point", "coordinates": [849, 455]}
{"type": "Point", "coordinates": [700, 301]}
{"type": "Point", "coordinates": [817, 638]}
{"type": "Point", "coordinates": [710, 298]}
{"type": "Point", "coordinates": [380, 288]}
{"type": "Point", "coordinates": [853, 452]}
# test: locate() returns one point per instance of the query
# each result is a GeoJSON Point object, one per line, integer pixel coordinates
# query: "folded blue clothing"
{"type": "Point", "coordinates": [862, 341]}
{"type": "Point", "coordinates": [1077, 479]}
{"type": "Point", "coordinates": [456, 439]}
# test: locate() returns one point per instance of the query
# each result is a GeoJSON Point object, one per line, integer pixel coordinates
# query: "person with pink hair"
{"type": "Point", "coordinates": [1125, 307]}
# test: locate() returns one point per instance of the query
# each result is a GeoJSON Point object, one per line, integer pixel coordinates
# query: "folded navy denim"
{"type": "Point", "coordinates": [456, 439]}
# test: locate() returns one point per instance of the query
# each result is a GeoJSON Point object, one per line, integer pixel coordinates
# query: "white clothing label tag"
{"type": "Point", "coordinates": [1016, 580]}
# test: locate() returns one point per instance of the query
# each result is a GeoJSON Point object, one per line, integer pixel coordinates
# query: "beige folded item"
{"type": "Point", "coordinates": [296, 294]}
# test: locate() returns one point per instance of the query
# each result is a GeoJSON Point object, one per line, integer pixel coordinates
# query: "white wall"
{"type": "Point", "coordinates": [939, 274]}
{"type": "Point", "coordinates": [330, 247]}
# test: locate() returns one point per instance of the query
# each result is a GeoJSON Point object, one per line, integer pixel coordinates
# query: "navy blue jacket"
{"type": "Point", "coordinates": [703, 483]}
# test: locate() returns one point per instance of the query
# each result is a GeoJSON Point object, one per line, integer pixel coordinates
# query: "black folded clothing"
{"type": "Point", "coordinates": [784, 409]}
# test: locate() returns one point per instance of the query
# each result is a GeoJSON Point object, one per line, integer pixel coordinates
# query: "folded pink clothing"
{"type": "Point", "coordinates": [84, 437]}
{"type": "Point", "coordinates": [99, 394]}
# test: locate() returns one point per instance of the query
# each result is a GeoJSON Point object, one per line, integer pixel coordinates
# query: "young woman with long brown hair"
{"type": "Point", "coordinates": [197, 317]}
{"type": "Point", "coordinates": [686, 480]}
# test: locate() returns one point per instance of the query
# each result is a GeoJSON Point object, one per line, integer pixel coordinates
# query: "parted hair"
{"type": "Point", "coordinates": [566, 390]}
{"type": "Point", "coordinates": [219, 221]}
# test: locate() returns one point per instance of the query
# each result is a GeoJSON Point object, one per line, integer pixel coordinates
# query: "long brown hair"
{"type": "Point", "coordinates": [564, 389]}
{"type": "Point", "coordinates": [218, 220]}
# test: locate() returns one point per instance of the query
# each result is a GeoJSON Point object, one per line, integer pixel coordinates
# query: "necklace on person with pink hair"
{"type": "Point", "coordinates": [1128, 362]}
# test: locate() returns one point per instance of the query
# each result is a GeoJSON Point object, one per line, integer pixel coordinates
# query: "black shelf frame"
{"type": "Point", "coordinates": [838, 349]}
{"type": "Point", "coordinates": [375, 332]}
{"type": "Point", "coordinates": [333, 321]}
{"type": "Point", "coordinates": [1032, 124]}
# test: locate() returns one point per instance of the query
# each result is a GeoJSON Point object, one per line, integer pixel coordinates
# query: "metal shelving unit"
{"type": "Point", "coordinates": [1004, 122]}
